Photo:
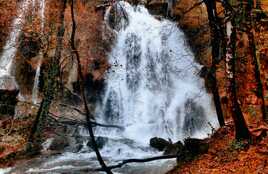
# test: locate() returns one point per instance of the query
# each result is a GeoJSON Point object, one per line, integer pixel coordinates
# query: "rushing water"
{"type": "Point", "coordinates": [152, 90]}
{"type": "Point", "coordinates": [10, 48]}
{"type": "Point", "coordinates": [42, 7]}
{"type": "Point", "coordinates": [153, 87]}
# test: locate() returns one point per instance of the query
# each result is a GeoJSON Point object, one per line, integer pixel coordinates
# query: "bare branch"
{"type": "Point", "coordinates": [135, 160]}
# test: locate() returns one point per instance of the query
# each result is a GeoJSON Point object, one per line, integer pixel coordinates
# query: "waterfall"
{"type": "Point", "coordinates": [42, 14]}
{"type": "Point", "coordinates": [33, 6]}
{"type": "Point", "coordinates": [35, 90]}
{"type": "Point", "coordinates": [36, 82]}
{"type": "Point", "coordinates": [153, 88]}
{"type": "Point", "coordinates": [10, 48]}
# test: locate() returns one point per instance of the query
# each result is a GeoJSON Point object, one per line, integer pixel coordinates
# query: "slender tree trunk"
{"type": "Point", "coordinates": [241, 129]}
{"type": "Point", "coordinates": [260, 93]}
{"type": "Point", "coordinates": [215, 33]}
{"type": "Point", "coordinates": [82, 88]}
{"type": "Point", "coordinates": [251, 35]}
{"type": "Point", "coordinates": [35, 137]}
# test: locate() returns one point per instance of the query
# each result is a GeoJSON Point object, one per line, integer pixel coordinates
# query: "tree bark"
{"type": "Point", "coordinates": [82, 88]}
{"type": "Point", "coordinates": [241, 129]}
{"type": "Point", "coordinates": [35, 136]}
{"type": "Point", "coordinates": [260, 93]}
{"type": "Point", "coordinates": [216, 35]}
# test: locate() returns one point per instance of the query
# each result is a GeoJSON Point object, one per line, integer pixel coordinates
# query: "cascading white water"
{"type": "Point", "coordinates": [33, 5]}
{"type": "Point", "coordinates": [10, 47]}
{"type": "Point", "coordinates": [35, 90]}
{"type": "Point", "coordinates": [153, 88]}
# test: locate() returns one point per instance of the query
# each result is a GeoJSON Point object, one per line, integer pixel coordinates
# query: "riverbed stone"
{"type": "Point", "coordinates": [8, 96]}
{"type": "Point", "coordinates": [175, 148]}
{"type": "Point", "coordinates": [159, 143]}
{"type": "Point", "coordinates": [59, 143]}
{"type": "Point", "coordinates": [100, 141]}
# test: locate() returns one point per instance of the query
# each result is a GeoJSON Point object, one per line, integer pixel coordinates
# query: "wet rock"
{"type": "Point", "coordinates": [29, 46]}
{"type": "Point", "coordinates": [196, 146]}
{"type": "Point", "coordinates": [94, 87]}
{"type": "Point", "coordinates": [59, 143]}
{"type": "Point", "coordinates": [8, 96]}
{"type": "Point", "coordinates": [175, 148]}
{"type": "Point", "coordinates": [74, 148]}
{"type": "Point", "coordinates": [195, 25]}
{"type": "Point", "coordinates": [24, 75]}
{"type": "Point", "coordinates": [71, 98]}
{"type": "Point", "coordinates": [191, 147]}
{"type": "Point", "coordinates": [158, 7]}
{"type": "Point", "coordinates": [100, 142]}
{"type": "Point", "coordinates": [116, 17]}
{"type": "Point", "coordinates": [204, 72]}
{"type": "Point", "coordinates": [159, 143]}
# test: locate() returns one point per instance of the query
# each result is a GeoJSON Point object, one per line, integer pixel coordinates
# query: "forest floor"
{"type": "Point", "coordinates": [226, 156]}
{"type": "Point", "coordinates": [13, 140]}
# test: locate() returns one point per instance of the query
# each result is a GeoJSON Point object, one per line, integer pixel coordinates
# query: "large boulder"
{"type": "Point", "coordinates": [59, 143]}
{"type": "Point", "coordinates": [158, 7]}
{"type": "Point", "coordinates": [100, 141]}
{"type": "Point", "coordinates": [187, 151]}
{"type": "Point", "coordinates": [196, 146]}
{"type": "Point", "coordinates": [8, 96]}
{"type": "Point", "coordinates": [159, 143]}
{"type": "Point", "coordinates": [175, 148]}
{"type": "Point", "coordinates": [194, 22]}
{"type": "Point", "coordinates": [29, 46]}
{"type": "Point", "coordinates": [116, 17]}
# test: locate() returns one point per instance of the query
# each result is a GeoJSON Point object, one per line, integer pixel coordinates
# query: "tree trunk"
{"type": "Point", "coordinates": [82, 88]}
{"type": "Point", "coordinates": [216, 35]}
{"type": "Point", "coordinates": [35, 136]}
{"type": "Point", "coordinates": [241, 129]}
{"type": "Point", "coordinates": [260, 93]}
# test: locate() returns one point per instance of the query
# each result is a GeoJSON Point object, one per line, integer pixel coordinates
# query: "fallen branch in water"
{"type": "Point", "coordinates": [127, 161]}
{"type": "Point", "coordinates": [74, 122]}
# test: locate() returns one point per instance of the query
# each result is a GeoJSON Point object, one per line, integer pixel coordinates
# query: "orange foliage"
{"type": "Point", "coordinates": [223, 158]}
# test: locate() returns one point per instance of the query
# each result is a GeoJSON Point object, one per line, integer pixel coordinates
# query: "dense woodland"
{"type": "Point", "coordinates": [70, 51]}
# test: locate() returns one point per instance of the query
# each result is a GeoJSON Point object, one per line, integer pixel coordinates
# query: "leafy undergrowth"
{"type": "Point", "coordinates": [226, 156]}
{"type": "Point", "coordinates": [13, 138]}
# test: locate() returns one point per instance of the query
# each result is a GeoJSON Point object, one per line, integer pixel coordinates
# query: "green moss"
{"type": "Point", "coordinates": [238, 145]}
{"type": "Point", "coordinates": [252, 111]}
{"type": "Point", "coordinates": [2, 149]}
